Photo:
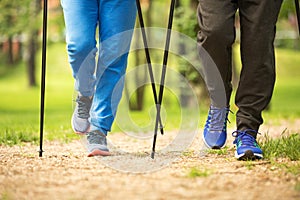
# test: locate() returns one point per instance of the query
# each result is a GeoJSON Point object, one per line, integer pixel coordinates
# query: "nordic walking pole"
{"type": "Point", "coordinates": [163, 75]}
{"type": "Point", "coordinates": [298, 14]}
{"type": "Point", "coordinates": [43, 76]}
{"type": "Point", "coordinates": [141, 20]}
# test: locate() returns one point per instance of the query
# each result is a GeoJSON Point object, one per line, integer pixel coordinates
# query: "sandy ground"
{"type": "Point", "coordinates": [64, 172]}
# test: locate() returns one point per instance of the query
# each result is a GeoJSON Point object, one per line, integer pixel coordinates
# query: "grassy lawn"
{"type": "Point", "coordinates": [285, 102]}
{"type": "Point", "coordinates": [286, 95]}
{"type": "Point", "coordinates": [19, 108]}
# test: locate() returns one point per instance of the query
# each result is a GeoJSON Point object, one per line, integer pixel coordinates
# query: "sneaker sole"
{"type": "Point", "coordinates": [248, 155]}
{"type": "Point", "coordinates": [82, 133]}
{"type": "Point", "coordinates": [98, 152]}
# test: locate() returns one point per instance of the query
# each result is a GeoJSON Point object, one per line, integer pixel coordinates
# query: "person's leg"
{"type": "Point", "coordinates": [81, 21]}
{"type": "Point", "coordinates": [258, 19]}
{"type": "Point", "coordinates": [116, 23]}
{"type": "Point", "coordinates": [216, 36]}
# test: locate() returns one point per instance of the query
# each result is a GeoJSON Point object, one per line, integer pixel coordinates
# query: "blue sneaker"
{"type": "Point", "coordinates": [246, 145]}
{"type": "Point", "coordinates": [215, 129]}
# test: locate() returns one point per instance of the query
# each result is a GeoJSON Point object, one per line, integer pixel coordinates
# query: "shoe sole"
{"type": "Point", "coordinates": [82, 133]}
{"type": "Point", "coordinates": [98, 152]}
{"type": "Point", "coordinates": [248, 155]}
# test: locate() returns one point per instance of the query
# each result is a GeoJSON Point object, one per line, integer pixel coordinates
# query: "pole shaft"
{"type": "Point", "coordinates": [149, 64]}
{"type": "Point", "coordinates": [43, 76]}
{"type": "Point", "coordinates": [163, 75]}
{"type": "Point", "coordinates": [298, 14]}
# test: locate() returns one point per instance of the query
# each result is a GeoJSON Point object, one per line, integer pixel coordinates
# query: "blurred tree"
{"type": "Point", "coordinates": [288, 12]}
{"type": "Point", "coordinates": [136, 101]}
{"type": "Point", "coordinates": [287, 9]}
{"type": "Point", "coordinates": [13, 21]}
{"type": "Point", "coordinates": [20, 19]}
{"type": "Point", "coordinates": [186, 23]}
{"type": "Point", "coordinates": [32, 44]}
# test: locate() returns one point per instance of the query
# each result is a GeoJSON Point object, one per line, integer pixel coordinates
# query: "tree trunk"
{"type": "Point", "coordinates": [140, 91]}
{"type": "Point", "coordinates": [31, 67]}
{"type": "Point", "coordinates": [18, 50]}
{"type": "Point", "coordinates": [32, 46]}
{"type": "Point", "coordinates": [10, 53]}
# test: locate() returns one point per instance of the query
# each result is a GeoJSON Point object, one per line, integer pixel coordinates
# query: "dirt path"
{"type": "Point", "coordinates": [64, 172]}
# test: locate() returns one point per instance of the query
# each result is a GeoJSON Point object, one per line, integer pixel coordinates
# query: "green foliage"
{"type": "Point", "coordinates": [287, 8]}
{"type": "Point", "coordinates": [186, 21]}
{"type": "Point", "coordinates": [16, 16]}
{"type": "Point", "coordinates": [287, 146]}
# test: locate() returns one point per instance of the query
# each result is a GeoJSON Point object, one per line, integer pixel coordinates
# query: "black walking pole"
{"type": "Point", "coordinates": [298, 14]}
{"type": "Point", "coordinates": [158, 100]}
{"type": "Point", "coordinates": [43, 76]}
{"type": "Point", "coordinates": [141, 20]}
{"type": "Point", "coordinates": [163, 75]}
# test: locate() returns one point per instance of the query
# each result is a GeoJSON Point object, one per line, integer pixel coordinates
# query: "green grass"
{"type": "Point", "coordinates": [286, 95]}
{"type": "Point", "coordinates": [249, 164]}
{"type": "Point", "coordinates": [285, 102]}
{"type": "Point", "coordinates": [11, 137]}
{"type": "Point", "coordinates": [196, 172]}
{"type": "Point", "coordinates": [297, 186]}
{"type": "Point", "coordinates": [5, 196]}
{"type": "Point", "coordinates": [19, 108]}
{"type": "Point", "coordinates": [20, 104]}
{"type": "Point", "coordinates": [223, 151]}
{"type": "Point", "coordinates": [287, 146]}
{"type": "Point", "coordinates": [188, 153]}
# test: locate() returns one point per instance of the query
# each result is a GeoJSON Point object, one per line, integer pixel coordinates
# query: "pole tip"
{"type": "Point", "coordinates": [161, 130]}
{"type": "Point", "coordinates": [41, 153]}
{"type": "Point", "coordinates": [152, 154]}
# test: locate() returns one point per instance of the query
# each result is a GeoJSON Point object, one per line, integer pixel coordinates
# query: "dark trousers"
{"type": "Point", "coordinates": [217, 34]}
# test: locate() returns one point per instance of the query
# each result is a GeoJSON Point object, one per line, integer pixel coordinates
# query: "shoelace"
{"type": "Point", "coordinates": [218, 118]}
{"type": "Point", "coordinates": [244, 137]}
{"type": "Point", "coordinates": [83, 109]}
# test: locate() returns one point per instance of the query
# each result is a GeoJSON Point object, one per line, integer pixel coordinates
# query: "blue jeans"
{"type": "Point", "coordinates": [105, 80]}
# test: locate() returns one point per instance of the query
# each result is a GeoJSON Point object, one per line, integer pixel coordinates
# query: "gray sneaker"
{"type": "Point", "coordinates": [80, 119]}
{"type": "Point", "coordinates": [97, 144]}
